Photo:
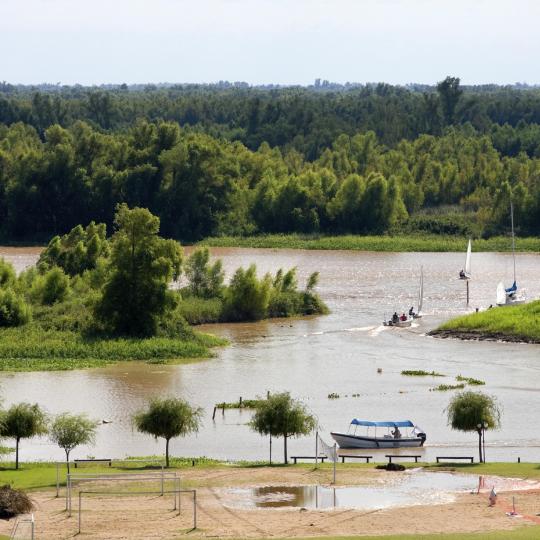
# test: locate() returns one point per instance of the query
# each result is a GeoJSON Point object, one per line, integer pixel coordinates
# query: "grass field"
{"type": "Point", "coordinates": [524, 533]}
{"type": "Point", "coordinates": [520, 323]}
{"type": "Point", "coordinates": [29, 348]}
{"type": "Point", "coordinates": [424, 242]}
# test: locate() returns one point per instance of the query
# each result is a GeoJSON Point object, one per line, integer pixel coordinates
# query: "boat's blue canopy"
{"type": "Point", "coordinates": [367, 423]}
{"type": "Point", "coordinates": [511, 289]}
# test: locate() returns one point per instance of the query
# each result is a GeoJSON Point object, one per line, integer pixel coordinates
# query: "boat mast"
{"type": "Point", "coordinates": [513, 238]}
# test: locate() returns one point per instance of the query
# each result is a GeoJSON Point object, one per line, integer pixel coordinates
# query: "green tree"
{"type": "Point", "coordinates": [71, 430]}
{"type": "Point", "coordinates": [247, 297]}
{"type": "Point", "coordinates": [7, 273]}
{"type": "Point", "coordinates": [168, 418]}
{"type": "Point", "coordinates": [22, 421]}
{"type": "Point", "coordinates": [136, 296]}
{"type": "Point", "coordinates": [449, 93]}
{"type": "Point", "coordinates": [473, 411]}
{"type": "Point", "coordinates": [14, 311]}
{"type": "Point", "coordinates": [205, 280]}
{"type": "Point", "coordinates": [282, 416]}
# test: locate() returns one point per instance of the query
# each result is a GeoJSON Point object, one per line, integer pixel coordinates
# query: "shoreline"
{"type": "Point", "coordinates": [471, 335]}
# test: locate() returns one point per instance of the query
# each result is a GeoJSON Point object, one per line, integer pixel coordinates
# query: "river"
{"type": "Point", "coordinates": [347, 352]}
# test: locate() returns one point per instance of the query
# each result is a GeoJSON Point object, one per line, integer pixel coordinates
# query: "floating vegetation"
{"type": "Point", "coordinates": [333, 395]}
{"type": "Point", "coordinates": [446, 387]}
{"type": "Point", "coordinates": [470, 380]}
{"type": "Point", "coordinates": [240, 404]}
{"type": "Point", "coordinates": [421, 373]}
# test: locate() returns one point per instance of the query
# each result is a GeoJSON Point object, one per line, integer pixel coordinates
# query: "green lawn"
{"type": "Point", "coordinates": [523, 533]}
{"type": "Point", "coordinates": [424, 242]}
{"type": "Point", "coordinates": [520, 322]}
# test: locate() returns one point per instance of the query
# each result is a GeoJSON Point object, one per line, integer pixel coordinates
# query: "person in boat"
{"type": "Point", "coordinates": [462, 274]}
{"type": "Point", "coordinates": [411, 311]}
{"type": "Point", "coordinates": [396, 433]}
{"type": "Point", "coordinates": [403, 317]}
{"type": "Point", "coordinates": [395, 317]}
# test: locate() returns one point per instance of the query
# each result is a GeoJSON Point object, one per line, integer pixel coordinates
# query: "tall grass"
{"type": "Point", "coordinates": [424, 242]}
{"type": "Point", "coordinates": [31, 348]}
{"type": "Point", "coordinates": [513, 322]}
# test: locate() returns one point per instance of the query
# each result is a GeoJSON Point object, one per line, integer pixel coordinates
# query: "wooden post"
{"type": "Point", "coordinates": [214, 413]}
{"type": "Point", "coordinates": [467, 291]}
{"type": "Point", "coordinates": [240, 402]}
{"type": "Point", "coordinates": [270, 449]}
{"type": "Point", "coordinates": [223, 410]}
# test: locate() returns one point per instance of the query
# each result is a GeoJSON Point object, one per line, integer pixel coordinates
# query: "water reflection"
{"type": "Point", "coordinates": [418, 488]}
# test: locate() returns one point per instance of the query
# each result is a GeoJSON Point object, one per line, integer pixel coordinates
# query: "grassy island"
{"type": "Point", "coordinates": [513, 323]}
{"type": "Point", "coordinates": [93, 300]}
{"type": "Point", "coordinates": [391, 243]}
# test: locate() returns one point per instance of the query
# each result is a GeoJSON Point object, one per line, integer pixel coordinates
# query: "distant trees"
{"type": "Point", "coordinates": [282, 416]}
{"type": "Point", "coordinates": [474, 411]}
{"type": "Point", "coordinates": [22, 421]}
{"type": "Point", "coordinates": [449, 93]}
{"type": "Point", "coordinates": [168, 418]}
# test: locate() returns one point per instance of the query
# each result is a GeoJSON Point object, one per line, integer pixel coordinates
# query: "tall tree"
{"type": "Point", "coordinates": [282, 416]}
{"type": "Point", "coordinates": [473, 411]}
{"type": "Point", "coordinates": [449, 93]}
{"type": "Point", "coordinates": [168, 418]}
{"type": "Point", "coordinates": [136, 297]}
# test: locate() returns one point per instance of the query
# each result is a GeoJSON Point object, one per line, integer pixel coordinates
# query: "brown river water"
{"type": "Point", "coordinates": [338, 353]}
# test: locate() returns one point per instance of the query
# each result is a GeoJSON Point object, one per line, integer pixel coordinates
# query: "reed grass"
{"type": "Point", "coordinates": [421, 373]}
{"type": "Point", "coordinates": [470, 380]}
{"type": "Point", "coordinates": [446, 387]}
{"type": "Point", "coordinates": [425, 242]}
{"type": "Point", "coordinates": [514, 323]}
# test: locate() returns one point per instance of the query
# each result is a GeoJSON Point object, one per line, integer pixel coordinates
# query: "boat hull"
{"type": "Point", "coordinates": [345, 440]}
{"type": "Point", "coordinates": [400, 324]}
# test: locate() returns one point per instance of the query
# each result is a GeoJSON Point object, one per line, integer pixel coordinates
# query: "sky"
{"type": "Point", "coordinates": [269, 41]}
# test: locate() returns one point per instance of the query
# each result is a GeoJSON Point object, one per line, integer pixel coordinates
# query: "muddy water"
{"type": "Point", "coordinates": [340, 353]}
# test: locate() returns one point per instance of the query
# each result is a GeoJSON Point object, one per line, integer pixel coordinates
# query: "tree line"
{"type": "Point", "coordinates": [201, 185]}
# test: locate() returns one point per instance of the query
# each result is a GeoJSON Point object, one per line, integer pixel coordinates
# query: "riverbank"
{"type": "Point", "coordinates": [139, 516]}
{"type": "Point", "coordinates": [516, 324]}
{"type": "Point", "coordinates": [405, 243]}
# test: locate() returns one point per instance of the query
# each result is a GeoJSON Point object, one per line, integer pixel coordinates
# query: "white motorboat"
{"type": "Point", "coordinates": [399, 323]}
{"type": "Point", "coordinates": [392, 437]}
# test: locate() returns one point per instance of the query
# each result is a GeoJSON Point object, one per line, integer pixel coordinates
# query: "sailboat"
{"type": "Point", "coordinates": [510, 296]}
{"type": "Point", "coordinates": [466, 273]}
{"type": "Point", "coordinates": [418, 314]}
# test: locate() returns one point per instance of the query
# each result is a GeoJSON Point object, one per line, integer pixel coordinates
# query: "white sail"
{"type": "Point", "coordinates": [501, 294]}
{"type": "Point", "coordinates": [468, 260]}
{"type": "Point", "coordinates": [421, 291]}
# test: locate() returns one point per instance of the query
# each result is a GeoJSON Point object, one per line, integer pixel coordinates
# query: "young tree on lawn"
{"type": "Point", "coordinates": [168, 418]}
{"type": "Point", "coordinates": [71, 430]}
{"type": "Point", "coordinates": [22, 421]}
{"type": "Point", "coordinates": [473, 411]}
{"type": "Point", "coordinates": [282, 416]}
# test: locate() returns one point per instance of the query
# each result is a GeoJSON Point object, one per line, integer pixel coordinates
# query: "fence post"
{"type": "Point", "coordinates": [194, 509]}
{"type": "Point", "coordinates": [57, 480]}
{"type": "Point", "coordinates": [80, 510]}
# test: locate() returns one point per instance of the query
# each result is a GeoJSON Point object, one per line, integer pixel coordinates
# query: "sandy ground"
{"type": "Point", "coordinates": [152, 517]}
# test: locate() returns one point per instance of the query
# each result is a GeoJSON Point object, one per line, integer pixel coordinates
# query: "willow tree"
{"type": "Point", "coordinates": [473, 411]}
{"type": "Point", "coordinates": [22, 421]}
{"type": "Point", "coordinates": [282, 416]}
{"type": "Point", "coordinates": [168, 418]}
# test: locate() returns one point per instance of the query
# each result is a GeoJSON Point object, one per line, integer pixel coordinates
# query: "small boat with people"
{"type": "Point", "coordinates": [396, 434]}
{"type": "Point", "coordinates": [401, 321]}
{"type": "Point", "coordinates": [405, 319]}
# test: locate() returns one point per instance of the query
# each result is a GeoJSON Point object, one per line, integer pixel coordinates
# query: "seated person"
{"type": "Point", "coordinates": [461, 274]}
{"type": "Point", "coordinates": [396, 433]}
{"type": "Point", "coordinates": [395, 317]}
{"type": "Point", "coordinates": [403, 317]}
{"type": "Point", "coordinates": [411, 311]}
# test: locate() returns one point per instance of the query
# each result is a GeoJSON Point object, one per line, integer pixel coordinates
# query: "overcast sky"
{"type": "Point", "coordinates": [269, 41]}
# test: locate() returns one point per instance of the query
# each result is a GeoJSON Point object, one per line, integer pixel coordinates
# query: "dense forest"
{"type": "Point", "coordinates": [230, 159]}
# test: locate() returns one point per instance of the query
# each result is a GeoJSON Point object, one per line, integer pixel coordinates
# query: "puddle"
{"type": "Point", "coordinates": [418, 488]}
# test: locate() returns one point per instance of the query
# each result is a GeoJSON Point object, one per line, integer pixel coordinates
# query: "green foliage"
{"type": "Point", "coordinates": [22, 421]}
{"type": "Point", "coordinates": [446, 387]}
{"type": "Point", "coordinates": [71, 430]}
{"type": "Point", "coordinates": [205, 280]}
{"type": "Point", "coordinates": [282, 416]}
{"type": "Point", "coordinates": [470, 380]}
{"type": "Point", "coordinates": [14, 311]}
{"type": "Point", "coordinates": [7, 274]}
{"type": "Point", "coordinates": [51, 288]}
{"type": "Point", "coordinates": [136, 297]}
{"type": "Point", "coordinates": [247, 297]}
{"type": "Point", "coordinates": [421, 373]}
{"type": "Point", "coordinates": [168, 418]}
{"type": "Point", "coordinates": [77, 251]}
{"type": "Point", "coordinates": [200, 310]}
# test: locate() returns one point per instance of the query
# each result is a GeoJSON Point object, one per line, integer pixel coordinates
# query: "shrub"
{"type": "Point", "coordinates": [13, 502]}
{"type": "Point", "coordinates": [14, 311]}
{"type": "Point", "coordinates": [55, 287]}
{"type": "Point", "coordinates": [7, 273]}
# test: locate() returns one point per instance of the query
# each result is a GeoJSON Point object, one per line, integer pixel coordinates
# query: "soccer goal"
{"type": "Point", "coordinates": [159, 482]}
